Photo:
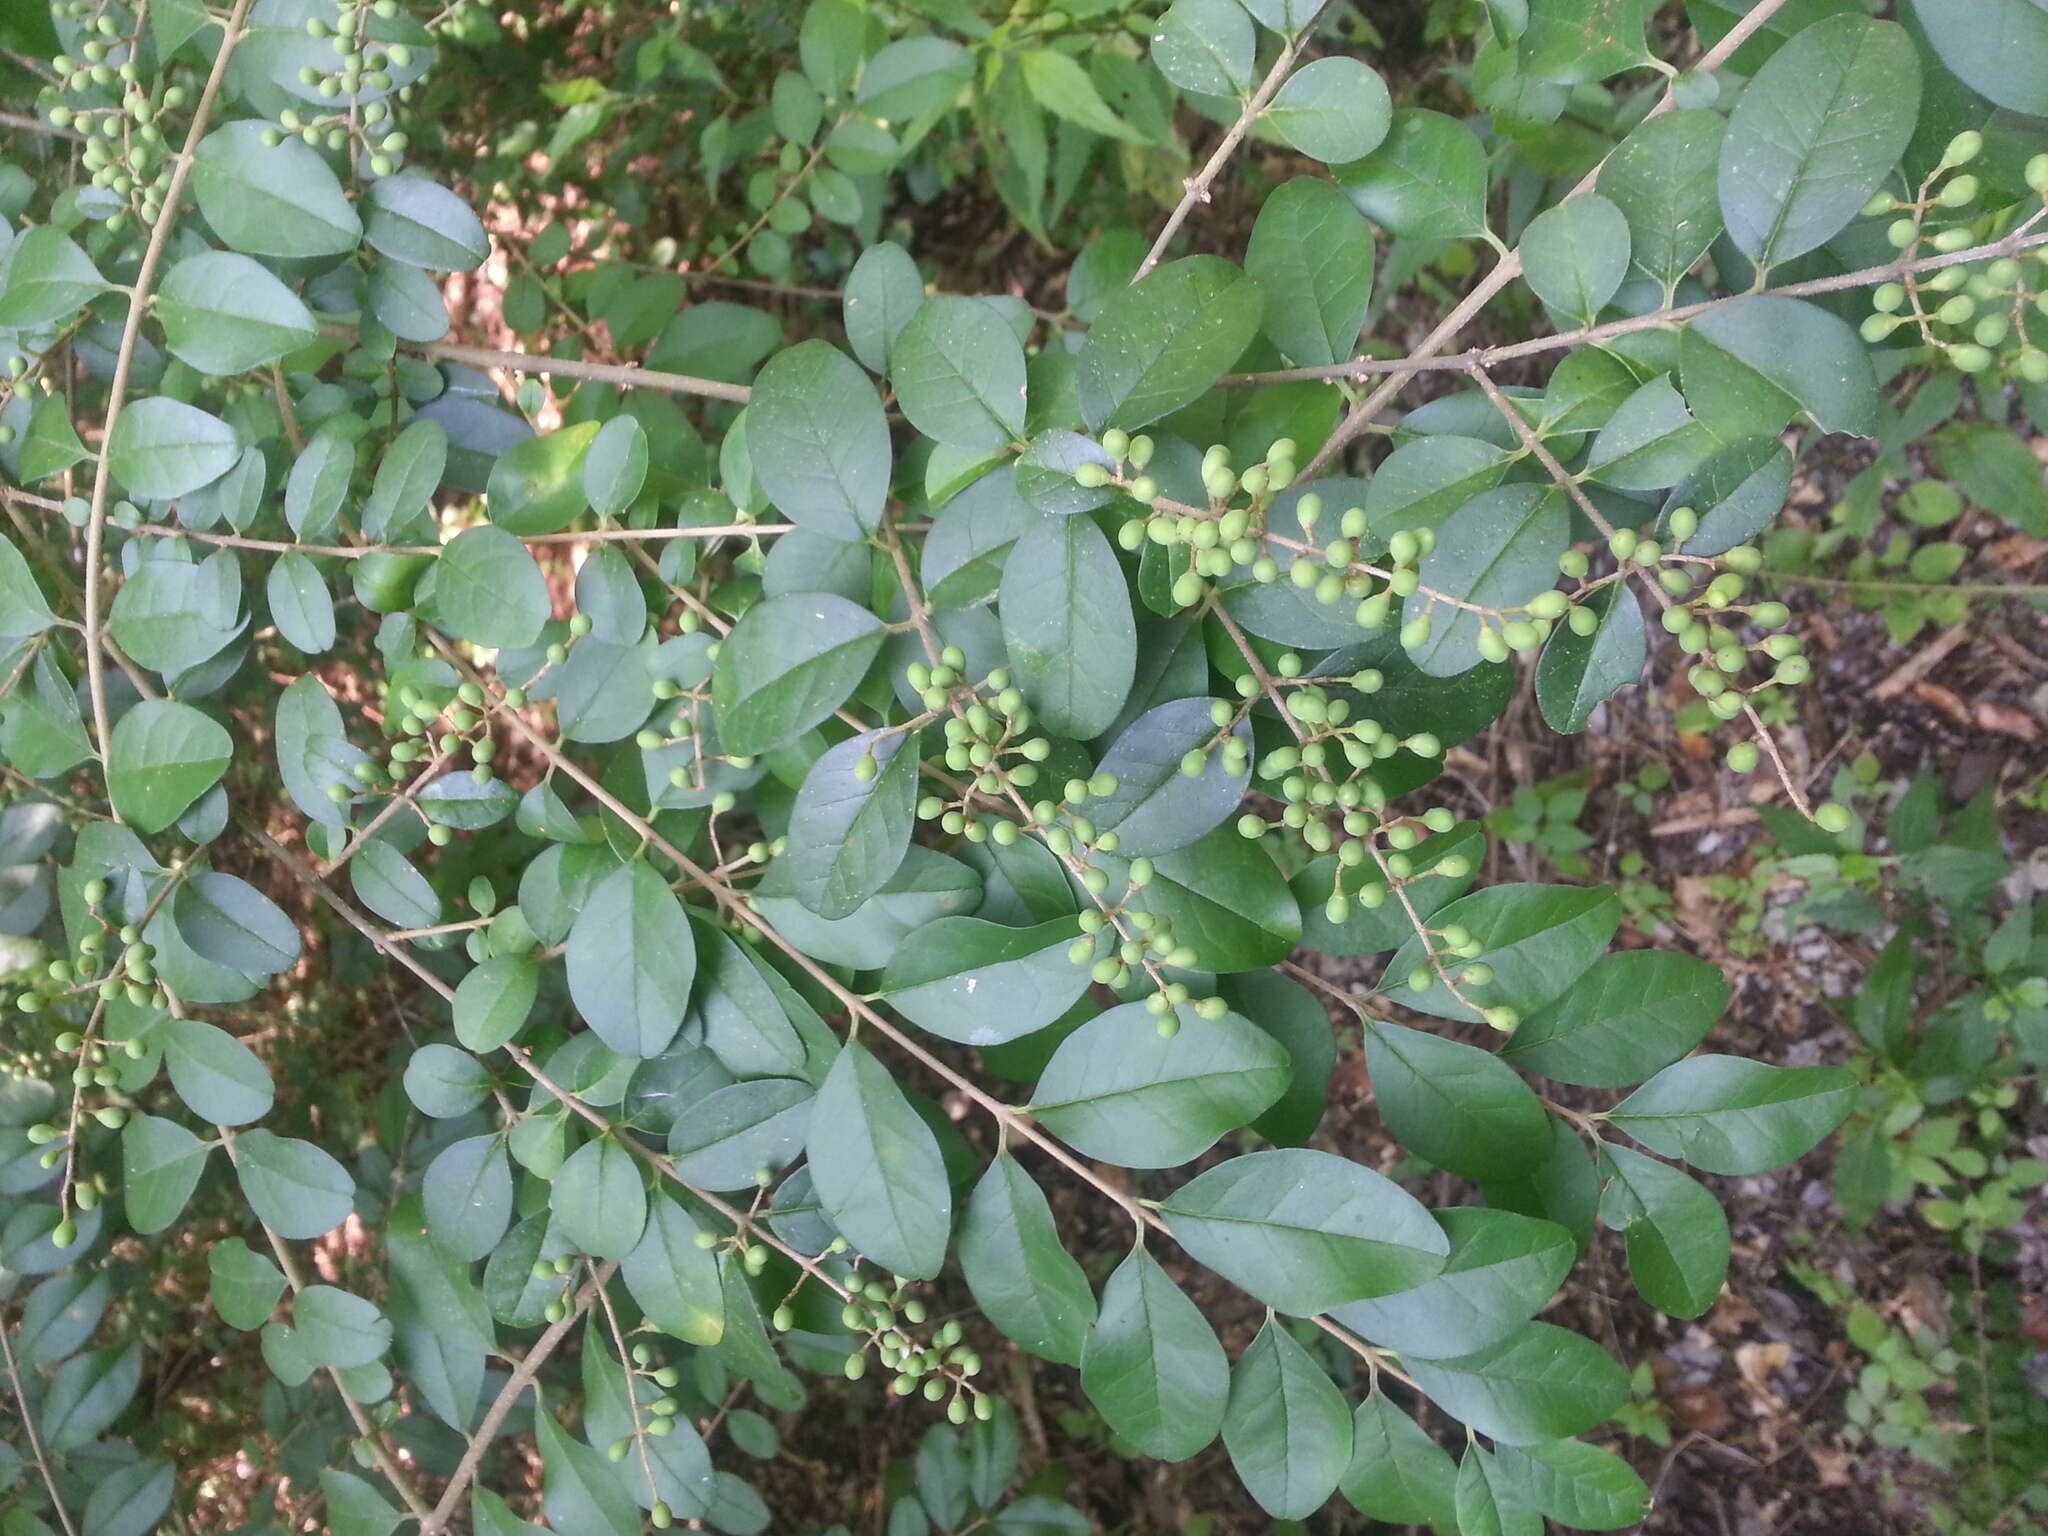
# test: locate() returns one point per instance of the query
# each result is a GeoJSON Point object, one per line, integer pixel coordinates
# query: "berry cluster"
{"type": "Point", "coordinates": [1976, 314]}
{"type": "Point", "coordinates": [890, 1326]}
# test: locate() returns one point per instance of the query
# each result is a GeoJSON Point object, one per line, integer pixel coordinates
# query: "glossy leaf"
{"type": "Point", "coordinates": [1022, 1277]}
{"type": "Point", "coordinates": [1632, 1014]}
{"type": "Point", "coordinates": [877, 1169]}
{"type": "Point", "coordinates": [788, 664]}
{"type": "Point", "coordinates": [1730, 1115]}
{"type": "Point", "coordinates": [1066, 617]}
{"type": "Point", "coordinates": [819, 441]}
{"type": "Point", "coordinates": [1118, 1090]}
{"type": "Point", "coordinates": [1286, 1425]}
{"type": "Point", "coordinates": [632, 960]}
{"type": "Point", "coordinates": [1151, 1366]}
{"type": "Point", "coordinates": [1164, 340]}
{"type": "Point", "coordinates": [1675, 1230]}
{"type": "Point", "coordinates": [1815, 133]}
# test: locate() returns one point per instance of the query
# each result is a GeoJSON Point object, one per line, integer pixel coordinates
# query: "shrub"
{"type": "Point", "coordinates": [745, 840]}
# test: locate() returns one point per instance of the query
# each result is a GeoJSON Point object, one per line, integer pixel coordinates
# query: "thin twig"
{"type": "Point", "coordinates": [1197, 186]}
{"type": "Point", "coordinates": [124, 362]}
{"type": "Point", "coordinates": [1492, 357]}
{"type": "Point", "coordinates": [34, 1436]}
{"type": "Point", "coordinates": [522, 1377]}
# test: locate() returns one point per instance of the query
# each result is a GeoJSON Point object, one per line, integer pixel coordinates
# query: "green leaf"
{"type": "Point", "coordinates": [47, 278]}
{"type": "Point", "coordinates": [230, 922]}
{"type": "Point", "coordinates": [913, 76]}
{"type": "Point", "coordinates": [632, 960]}
{"type": "Point", "coordinates": [1998, 48]}
{"type": "Point", "coordinates": [224, 313]}
{"type": "Point", "coordinates": [1397, 1473]}
{"type": "Point", "coordinates": [23, 609]}
{"type": "Point", "coordinates": [1163, 341]}
{"type": "Point", "coordinates": [1664, 179]}
{"type": "Point", "coordinates": [1498, 550]}
{"type": "Point", "coordinates": [1151, 1365]}
{"type": "Point", "coordinates": [294, 1187]}
{"type": "Point", "coordinates": [245, 1284]}
{"type": "Point", "coordinates": [1483, 1506]}
{"type": "Point", "coordinates": [598, 1199]}
{"type": "Point", "coordinates": [734, 1132]}
{"type": "Point", "coordinates": [1816, 133]}
{"type": "Point", "coordinates": [1993, 467]}
{"type": "Point", "coordinates": [492, 1516]}
{"type": "Point", "coordinates": [1334, 109]}
{"type": "Point", "coordinates": [1538, 939]}
{"type": "Point", "coordinates": [819, 441]}
{"type": "Point", "coordinates": [675, 1282]}
{"type": "Point", "coordinates": [171, 615]}
{"type": "Point", "coordinates": [883, 292]}
{"type": "Point", "coordinates": [338, 1329]}
{"type": "Point", "coordinates": [1650, 441]}
{"type": "Point", "coordinates": [1632, 1014]}
{"type": "Point", "coordinates": [467, 1192]}
{"type": "Point", "coordinates": [1223, 897]}
{"type": "Point", "coordinates": [132, 1498]}
{"type": "Point", "coordinates": [1501, 1269]}
{"type": "Point", "coordinates": [300, 604]}
{"type": "Point", "coordinates": [319, 483]}
{"type": "Point", "coordinates": [787, 665]}
{"type": "Point", "coordinates": [1462, 1108]}
{"type": "Point", "coordinates": [1287, 1427]}
{"type": "Point", "coordinates": [1676, 1231]}
{"type": "Point", "coordinates": [616, 466]}
{"type": "Point", "coordinates": [421, 223]}
{"type": "Point", "coordinates": [161, 448]}
{"type": "Point", "coordinates": [876, 1167]}
{"type": "Point", "coordinates": [1426, 181]}
{"type": "Point", "coordinates": [1750, 365]}
{"type": "Point", "coordinates": [1736, 494]}
{"type": "Point", "coordinates": [1291, 1014]}
{"type": "Point", "coordinates": [959, 375]}
{"type": "Point", "coordinates": [1577, 42]}
{"type": "Point", "coordinates": [160, 1165]}
{"type": "Point", "coordinates": [927, 885]}
{"type": "Point", "coordinates": [1730, 1115]}
{"type": "Point", "coordinates": [1578, 673]}
{"type": "Point", "coordinates": [271, 200]}
{"type": "Point", "coordinates": [391, 887]}
{"type": "Point", "coordinates": [493, 1001]}
{"type": "Point", "coordinates": [1120, 1091]}
{"type": "Point", "coordinates": [61, 1314]}
{"type": "Point", "coordinates": [88, 1394]}
{"type": "Point", "coordinates": [354, 1508]}
{"type": "Point", "coordinates": [488, 591]}
{"type": "Point", "coordinates": [163, 757]}
{"type": "Point", "coordinates": [1576, 1484]}
{"type": "Point", "coordinates": [1206, 46]}
{"type": "Point", "coordinates": [536, 485]}
{"type": "Point", "coordinates": [1576, 255]}
{"type": "Point", "coordinates": [1541, 1383]}
{"type": "Point", "coordinates": [1156, 806]}
{"type": "Point", "coordinates": [742, 1009]}
{"type": "Point", "coordinates": [848, 836]}
{"type": "Point", "coordinates": [1305, 1231]}
{"type": "Point", "coordinates": [1061, 86]}
{"type": "Point", "coordinates": [445, 1083]}
{"type": "Point", "coordinates": [1022, 1277]}
{"type": "Point", "coordinates": [580, 1491]}
{"type": "Point", "coordinates": [1310, 244]}
{"type": "Point", "coordinates": [407, 476]}
{"type": "Point", "coordinates": [982, 983]}
{"type": "Point", "coordinates": [1067, 624]}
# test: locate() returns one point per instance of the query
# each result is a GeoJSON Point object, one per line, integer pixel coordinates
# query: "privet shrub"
{"type": "Point", "coordinates": [963, 701]}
